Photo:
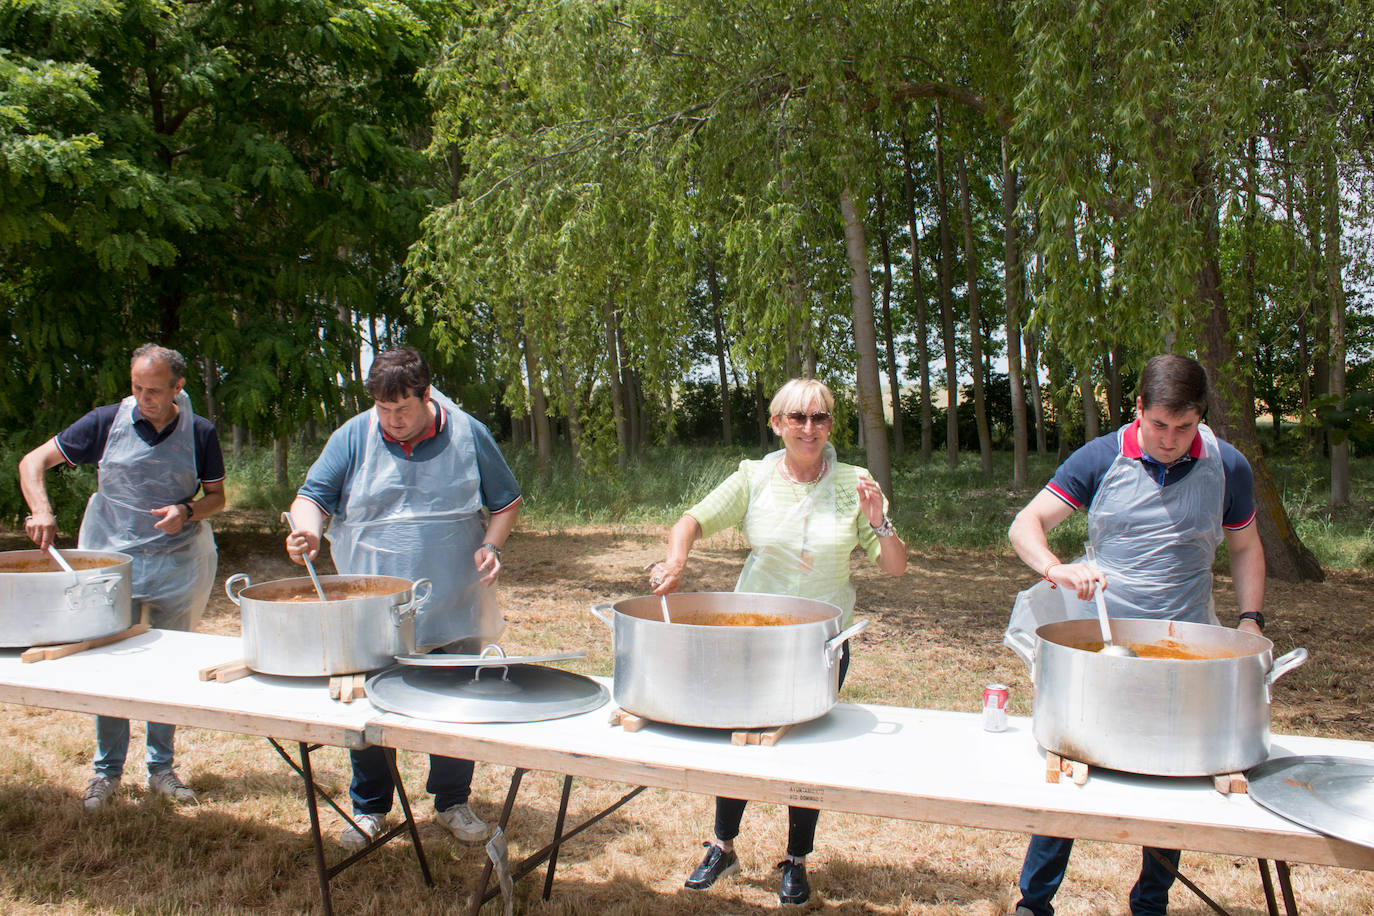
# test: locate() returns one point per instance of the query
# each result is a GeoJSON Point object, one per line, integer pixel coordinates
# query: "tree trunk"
{"type": "Point", "coordinates": [209, 376]}
{"type": "Point", "coordinates": [280, 447]}
{"type": "Point", "coordinates": [539, 411]}
{"type": "Point", "coordinates": [238, 436]}
{"type": "Point", "coordinates": [893, 386]}
{"type": "Point", "coordinates": [1111, 370]}
{"type": "Point", "coordinates": [866, 346]}
{"type": "Point", "coordinates": [975, 323]}
{"type": "Point", "coordinates": [1318, 308]}
{"type": "Point", "coordinates": [1231, 405]}
{"type": "Point", "coordinates": [622, 429]}
{"type": "Point", "coordinates": [713, 284]}
{"type": "Point", "coordinates": [1335, 295]}
{"type": "Point", "coordinates": [918, 293]}
{"type": "Point", "coordinates": [761, 411]}
{"type": "Point", "coordinates": [946, 303]}
{"type": "Point", "coordinates": [1011, 274]}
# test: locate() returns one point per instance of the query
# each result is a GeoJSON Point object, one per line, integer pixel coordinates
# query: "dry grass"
{"type": "Point", "coordinates": [935, 640]}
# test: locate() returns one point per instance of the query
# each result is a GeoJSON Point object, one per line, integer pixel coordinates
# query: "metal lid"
{"type": "Point", "coordinates": [1332, 795]}
{"type": "Point", "coordinates": [518, 693]}
{"type": "Point", "coordinates": [492, 656]}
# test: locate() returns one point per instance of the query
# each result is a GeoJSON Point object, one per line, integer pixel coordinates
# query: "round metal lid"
{"type": "Point", "coordinates": [1332, 795]}
{"type": "Point", "coordinates": [441, 660]}
{"type": "Point", "coordinates": [519, 693]}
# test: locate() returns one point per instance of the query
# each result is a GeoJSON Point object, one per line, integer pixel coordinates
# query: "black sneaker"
{"type": "Point", "coordinates": [794, 890]}
{"type": "Point", "coordinates": [717, 864]}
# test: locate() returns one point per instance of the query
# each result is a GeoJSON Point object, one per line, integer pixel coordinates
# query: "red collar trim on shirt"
{"type": "Point", "coordinates": [1130, 442]}
{"type": "Point", "coordinates": [433, 431]}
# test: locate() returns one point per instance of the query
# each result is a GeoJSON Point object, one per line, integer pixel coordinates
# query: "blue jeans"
{"type": "Point", "coordinates": [112, 746]}
{"type": "Point", "coordinates": [1047, 857]}
{"type": "Point", "coordinates": [372, 789]}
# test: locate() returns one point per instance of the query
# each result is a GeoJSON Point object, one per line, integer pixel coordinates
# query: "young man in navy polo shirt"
{"type": "Point", "coordinates": [1161, 493]}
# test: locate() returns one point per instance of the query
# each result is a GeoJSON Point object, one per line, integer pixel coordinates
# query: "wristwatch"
{"type": "Point", "coordinates": [189, 512]}
{"type": "Point", "coordinates": [493, 548]}
{"type": "Point", "coordinates": [885, 530]}
{"type": "Point", "coordinates": [1256, 616]}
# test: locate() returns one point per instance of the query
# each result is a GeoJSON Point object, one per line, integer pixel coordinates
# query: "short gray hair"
{"type": "Point", "coordinates": [798, 393]}
{"type": "Point", "coordinates": [169, 358]}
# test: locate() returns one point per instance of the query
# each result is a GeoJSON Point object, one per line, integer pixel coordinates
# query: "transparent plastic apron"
{"type": "Point", "coordinates": [1156, 545]}
{"type": "Point", "coordinates": [421, 519]}
{"type": "Point", "coordinates": [172, 573]}
{"type": "Point", "coordinates": [800, 547]}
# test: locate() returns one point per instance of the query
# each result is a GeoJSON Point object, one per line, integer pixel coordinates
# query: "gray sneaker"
{"type": "Point", "coordinates": [98, 791]}
{"type": "Point", "coordinates": [463, 824]}
{"type": "Point", "coordinates": [166, 783]}
{"type": "Point", "coordinates": [369, 824]}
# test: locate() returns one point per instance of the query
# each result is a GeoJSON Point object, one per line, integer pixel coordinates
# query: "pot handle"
{"type": "Point", "coordinates": [835, 644]}
{"type": "Point", "coordinates": [602, 613]}
{"type": "Point", "coordinates": [78, 593]}
{"type": "Point", "coordinates": [229, 586]}
{"type": "Point", "coordinates": [420, 590]}
{"type": "Point", "coordinates": [1023, 644]}
{"type": "Point", "coordinates": [1285, 664]}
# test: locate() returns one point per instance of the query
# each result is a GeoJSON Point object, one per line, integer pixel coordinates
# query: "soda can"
{"type": "Point", "coordinates": [995, 700]}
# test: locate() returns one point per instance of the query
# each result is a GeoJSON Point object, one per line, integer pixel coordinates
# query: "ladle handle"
{"type": "Point", "coordinates": [309, 567]}
{"type": "Point", "coordinates": [61, 560]}
{"type": "Point", "coordinates": [1091, 554]}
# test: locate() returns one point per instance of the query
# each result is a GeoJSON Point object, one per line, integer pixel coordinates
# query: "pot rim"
{"type": "Point", "coordinates": [305, 584]}
{"type": "Point", "coordinates": [834, 612]}
{"type": "Point", "coordinates": [124, 559]}
{"type": "Point", "coordinates": [1260, 644]}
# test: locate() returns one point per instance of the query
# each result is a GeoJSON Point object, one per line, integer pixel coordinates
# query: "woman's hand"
{"type": "Point", "coordinates": [871, 500]}
{"type": "Point", "coordinates": [665, 576]}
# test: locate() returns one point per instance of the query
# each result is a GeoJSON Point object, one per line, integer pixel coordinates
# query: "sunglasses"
{"type": "Point", "coordinates": [797, 418]}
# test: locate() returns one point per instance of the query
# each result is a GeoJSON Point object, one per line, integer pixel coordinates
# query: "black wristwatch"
{"type": "Point", "coordinates": [1256, 616]}
{"type": "Point", "coordinates": [497, 550]}
{"type": "Point", "coordinates": [189, 512]}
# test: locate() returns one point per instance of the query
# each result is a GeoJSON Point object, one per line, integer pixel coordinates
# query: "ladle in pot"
{"type": "Point", "coordinates": [1108, 647]}
{"type": "Point", "coordinates": [309, 567]}
{"type": "Point", "coordinates": [61, 560]}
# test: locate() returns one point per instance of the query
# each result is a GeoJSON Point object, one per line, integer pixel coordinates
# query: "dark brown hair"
{"type": "Point", "coordinates": [1175, 383]}
{"type": "Point", "coordinates": [397, 374]}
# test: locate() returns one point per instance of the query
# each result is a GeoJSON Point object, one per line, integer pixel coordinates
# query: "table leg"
{"type": "Point", "coordinates": [557, 836]}
{"type": "Point", "coordinates": [410, 818]}
{"type": "Point", "coordinates": [480, 896]}
{"type": "Point", "coordinates": [1216, 907]}
{"type": "Point", "coordinates": [308, 777]}
{"type": "Point", "coordinates": [1270, 903]}
{"type": "Point", "coordinates": [1290, 902]}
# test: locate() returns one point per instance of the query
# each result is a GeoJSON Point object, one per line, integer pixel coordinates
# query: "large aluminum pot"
{"type": "Point", "coordinates": [40, 604]}
{"type": "Point", "coordinates": [365, 624]}
{"type": "Point", "coordinates": [1160, 716]}
{"type": "Point", "coordinates": [764, 660]}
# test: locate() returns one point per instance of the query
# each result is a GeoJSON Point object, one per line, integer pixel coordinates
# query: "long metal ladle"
{"type": "Point", "coordinates": [309, 567]}
{"type": "Point", "coordinates": [61, 560]}
{"type": "Point", "coordinates": [1108, 647]}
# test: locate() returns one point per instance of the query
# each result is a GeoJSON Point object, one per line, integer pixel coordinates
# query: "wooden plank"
{"type": "Point", "coordinates": [335, 687]}
{"type": "Point", "coordinates": [1052, 766]}
{"type": "Point", "coordinates": [1080, 772]}
{"type": "Point", "coordinates": [628, 720]}
{"type": "Point", "coordinates": [232, 671]}
{"type": "Point", "coordinates": [1239, 784]}
{"type": "Point", "coordinates": [773, 735]}
{"type": "Point", "coordinates": [1222, 783]}
{"type": "Point", "coordinates": [48, 653]}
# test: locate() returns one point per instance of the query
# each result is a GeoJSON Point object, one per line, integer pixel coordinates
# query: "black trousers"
{"type": "Point", "coordinates": [801, 822]}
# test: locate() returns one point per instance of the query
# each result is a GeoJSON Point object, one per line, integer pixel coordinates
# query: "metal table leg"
{"type": "Point", "coordinates": [557, 836]}
{"type": "Point", "coordinates": [313, 791]}
{"type": "Point", "coordinates": [1186, 883]}
{"type": "Point", "coordinates": [1290, 902]}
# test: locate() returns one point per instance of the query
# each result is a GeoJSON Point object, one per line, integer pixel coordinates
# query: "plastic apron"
{"type": "Point", "coordinates": [800, 547]}
{"type": "Point", "coordinates": [172, 573]}
{"type": "Point", "coordinates": [1156, 544]}
{"type": "Point", "coordinates": [421, 519]}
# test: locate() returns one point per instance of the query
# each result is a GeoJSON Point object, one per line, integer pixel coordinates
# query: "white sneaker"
{"type": "Point", "coordinates": [369, 824]}
{"type": "Point", "coordinates": [166, 783]}
{"type": "Point", "coordinates": [98, 792]}
{"type": "Point", "coordinates": [463, 824]}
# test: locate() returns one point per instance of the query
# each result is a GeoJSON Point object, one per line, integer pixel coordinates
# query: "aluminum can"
{"type": "Point", "coordinates": [995, 700]}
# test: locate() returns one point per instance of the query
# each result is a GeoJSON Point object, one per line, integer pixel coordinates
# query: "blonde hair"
{"type": "Point", "coordinates": [799, 393]}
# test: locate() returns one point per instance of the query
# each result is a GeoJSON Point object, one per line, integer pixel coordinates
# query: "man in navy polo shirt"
{"type": "Point", "coordinates": [154, 456]}
{"type": "Point", "coordinates": [1161, 494]}
{"type": "Point", "coordinates": [414, 488]}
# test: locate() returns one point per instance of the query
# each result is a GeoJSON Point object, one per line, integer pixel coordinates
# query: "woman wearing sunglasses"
{"type": "Point", "coordinates": [804, 513]}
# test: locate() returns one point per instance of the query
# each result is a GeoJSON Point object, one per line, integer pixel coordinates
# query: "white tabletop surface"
{"type": "Point", "coordinates": [156, 677]}
{"type": "Point", "coordinates": [915, 764]}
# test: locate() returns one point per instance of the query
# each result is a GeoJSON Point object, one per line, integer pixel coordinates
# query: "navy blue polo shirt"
{"type": "Point", "coordinates": [1077, 479]}
{"type": "Point", "coordinates": [84, 441]}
